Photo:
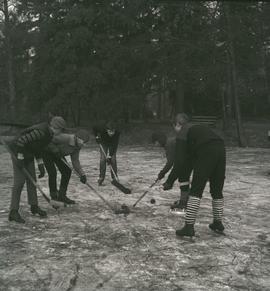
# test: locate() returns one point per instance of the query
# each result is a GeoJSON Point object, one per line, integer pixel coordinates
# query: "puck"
{"type": "Point", "coordinates": [152, 201]}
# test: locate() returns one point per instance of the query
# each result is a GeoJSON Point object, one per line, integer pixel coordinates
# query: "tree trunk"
{"type": "Point", "coordinates": [180, 96]}
{"type": "Point", "coordinates": [264, 71]}
{"type": "Point", "coordinates": [10, 73]}
{"type": "Point", "coordinates": [239, 126]}
{"type": "Point", "coordinates": [224, 109]}
{"type": "Point", "coordinates": [229, 93]}
{"type": "Point", "coordinates": [161, 100]}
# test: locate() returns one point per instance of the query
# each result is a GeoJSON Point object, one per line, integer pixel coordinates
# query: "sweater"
{"type": "Point", "coordinates": [109, 141]}
{"type": "Point", "coordinates": [189, 141]}
{"type": "Point", "coordinates": [65, 144]}
{"type": "Point", "coordinates": [32, 141]}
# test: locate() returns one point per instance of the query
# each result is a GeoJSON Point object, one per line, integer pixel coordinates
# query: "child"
{"type": "Point", "coordinates": [201, 149]}
{"type": "Point", "coordinates": [168, 144]}
{"type": "Point", "coordinates": [27, 146]}
{"type": "Point", "coordinates": [62, 145]}
{"type": "Point", "coordinates": [108, 138]}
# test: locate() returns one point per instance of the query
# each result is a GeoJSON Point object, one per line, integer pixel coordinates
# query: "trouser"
{"type": "Point", "coordinates": [51, 163]}
{"type": "Point", "coordinates": [184, 185]}
{"type": "Point", "coordinates": [19, 180]}
{"type": "Point", "coordinates": [209, 165]}
{"type": "Point", "coordinates": [102, 164]}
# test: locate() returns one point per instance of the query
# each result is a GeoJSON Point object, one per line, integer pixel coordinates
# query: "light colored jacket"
{"type": "Point", "coordinates": [65, 144]}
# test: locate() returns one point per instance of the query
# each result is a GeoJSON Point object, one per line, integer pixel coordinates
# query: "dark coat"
{"type": "Point", "coordinates": [32, 141]}
{"type": "Point", "coordinates": [109, 141]}
{"type": "Point", "coordinates": [189, 141]}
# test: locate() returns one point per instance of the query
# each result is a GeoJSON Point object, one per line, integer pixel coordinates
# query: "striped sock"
{"type": "Point", "coordinates": [192, 209]}
{"type": "Point", "coordinates": [217, 205]}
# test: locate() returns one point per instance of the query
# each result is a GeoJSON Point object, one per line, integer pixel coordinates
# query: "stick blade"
{"type": "Point", "coordinates": [123, 210]}
{"type": "Point", "coordinates": [121, 187]}
{"type": "Point", "coordinates": [57, 204]}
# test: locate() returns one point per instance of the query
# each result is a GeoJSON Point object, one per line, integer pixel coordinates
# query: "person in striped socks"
{"type": "Point", "coordinates": [200, 148]}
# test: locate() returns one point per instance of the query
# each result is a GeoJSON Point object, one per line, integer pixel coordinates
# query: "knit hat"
{"type": "Point", "coordinates": [160, 138]}
{"type": "Point", "coordinates": [58, 122]}
{"type": "Point", "coordinates": [83, 134]}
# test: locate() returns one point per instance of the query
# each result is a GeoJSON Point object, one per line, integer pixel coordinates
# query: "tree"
{"type": "Point", "coordinates": [88, 60]}
{"type": "Point", "coordinates": [9, 58]}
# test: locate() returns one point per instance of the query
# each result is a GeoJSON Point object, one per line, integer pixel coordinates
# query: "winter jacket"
{"type": "Point", "coordinates": [32, 141]}
{"type": "Point", "coordinates": [109, 141]}
{"type": "Point", "coordinates": [189, 141]}
{"type": "Point", "coordinates": [65, 144]}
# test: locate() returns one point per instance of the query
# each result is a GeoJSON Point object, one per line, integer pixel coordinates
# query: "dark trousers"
{"type": "Point", "coordinates": [51, 163]}
{"type": "Point", "coordinates": [102, 163]}
{"type": "Point", "coordinates": [19, 181]}
{"type": "Point", "coordinates": [209, 165]}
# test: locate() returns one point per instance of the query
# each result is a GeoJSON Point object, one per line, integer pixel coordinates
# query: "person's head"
{"type": "Point", "coordinates": [159, 138]}
{"type": "Point", "coordinates": [180, 120]}
{"type": "Point", "coordinates": [110, 128]}
{"type": "Point", "coordinates": [57, 124]}
{"type": "Point", "coordinates": [82, 137]}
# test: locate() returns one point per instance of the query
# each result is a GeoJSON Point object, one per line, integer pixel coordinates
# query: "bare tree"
{"type": "Point", "coordinates": [9, 60]}
{"type": "Point", "coordinates": [231, 54]}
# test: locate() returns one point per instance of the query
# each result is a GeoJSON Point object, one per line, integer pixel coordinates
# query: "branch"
{"type": "Point", "coordinates": [216, 8]}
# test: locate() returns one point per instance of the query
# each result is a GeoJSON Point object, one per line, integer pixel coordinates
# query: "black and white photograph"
{"type": "Point", "coordinates": [134, 145]}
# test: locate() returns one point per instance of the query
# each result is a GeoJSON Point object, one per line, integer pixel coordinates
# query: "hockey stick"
{"type": "Point", "coordinates": [145, 192]}
{"type": "Point", "coordinates": [115, 181]}
{"type": "Point", "coordinates": [124, 209]}
{"type": "Point", "coordinates": [55, 204]}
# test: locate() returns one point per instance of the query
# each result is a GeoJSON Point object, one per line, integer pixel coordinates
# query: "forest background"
{"type": "Point", "coordinates": [135, 61]}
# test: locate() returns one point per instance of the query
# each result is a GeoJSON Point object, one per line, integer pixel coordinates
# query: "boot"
{"type": "Point", "coordinates": [179, 207]}
{"type": "Point", "coordinates": [35, 209]}
{"type": "Point", "coordinates": [217, 205]}
{"type": "Point", "coordinates": [54, 195]}
{"type": "Point", "coordinates": [15, 216]}
{"type": "Point", "coordinates": [63, 198]}
{"type": "Point", "coordinates": [190, 218]}
{"type": "Point", "coordinates": [217, 226]}
{"type": "Point", "coordinates": [187, 230]}
{"type": "Point", "coordinates": [68, 201]}
{"type": "Point", "coordinates": [100, 181]}
{"type": "Point", "coordinates": [179, 204]}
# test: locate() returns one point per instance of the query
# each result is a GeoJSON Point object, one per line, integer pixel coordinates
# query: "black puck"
{"type": "Point", "coordinates": [152, 201]}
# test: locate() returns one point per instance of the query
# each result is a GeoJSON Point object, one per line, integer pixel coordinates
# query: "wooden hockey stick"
{"type": "Point", "coordinates": [124, 209]}
{"type": "Point", "coordinates": [145, 192]}
{"type": "Point", "coordinates": [115, 181]}
{"type": "Point", "coordinates": [55, 204]}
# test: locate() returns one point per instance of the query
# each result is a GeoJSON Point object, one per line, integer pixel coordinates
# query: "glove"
{"type": "Point", "coordinates": [161, 175]}
{"type": "Point", "coordinates": [83, 179]}
{"type": "Point", "coordinates": [109, 160]}
{"type": "Point", "coordinates": [41, 170]}
{"type": "Point", "coordinates": [98, 139]}
{"type": "Point", "coordinates": [167, 186]}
